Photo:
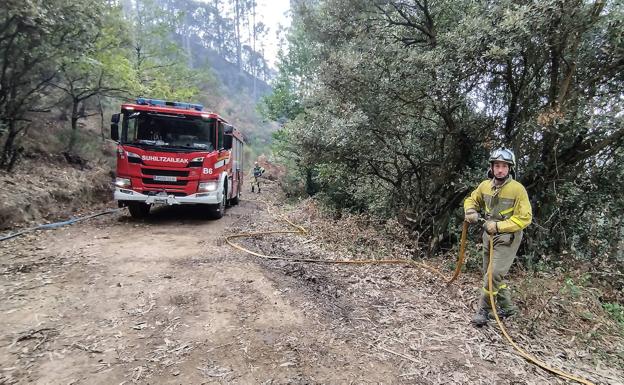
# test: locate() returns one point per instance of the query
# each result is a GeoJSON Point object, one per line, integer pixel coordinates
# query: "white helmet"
{"type": "Point", "coordinates": [503, 155]}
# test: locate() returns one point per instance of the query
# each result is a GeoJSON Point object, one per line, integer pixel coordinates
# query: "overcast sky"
{"type": "Point", "coordinates": [273, 13]}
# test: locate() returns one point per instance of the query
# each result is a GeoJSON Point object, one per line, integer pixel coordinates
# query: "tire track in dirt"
{"type": "Point", "coordinates": [159, 301]}
{"type": "Point", "coordinates": [165, 301]}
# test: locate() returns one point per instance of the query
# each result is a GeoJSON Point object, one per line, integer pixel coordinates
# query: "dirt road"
{"type": "Point", "coordinates": [165, 301]}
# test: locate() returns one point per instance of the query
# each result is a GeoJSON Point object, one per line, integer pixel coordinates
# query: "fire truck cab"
{"type": "Point", "coordinates": [172, 153]}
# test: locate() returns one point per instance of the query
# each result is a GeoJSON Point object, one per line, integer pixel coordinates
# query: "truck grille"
{"type": "Point", "coordinates": [164, 183]}
{"type": "Point", "coordinates": [152, 171]}
{"type": "Point", "coordinates": [175, 193]}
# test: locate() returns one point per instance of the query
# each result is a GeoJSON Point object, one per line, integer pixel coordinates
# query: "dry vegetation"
{"type": "Point", "coordinates": [115, 300]}
{"type": "Point", "coordinates": [409, 314]}
{"type": "Point", "coordinates": [51, 184]}
{"type": "Point", "coordinates": [91, 305]}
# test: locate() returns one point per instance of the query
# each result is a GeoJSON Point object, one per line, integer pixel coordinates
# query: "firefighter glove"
{"type": "Point", "coordinates": [471, 216]}
{"type": "Point", "coordinates": [490, 227]}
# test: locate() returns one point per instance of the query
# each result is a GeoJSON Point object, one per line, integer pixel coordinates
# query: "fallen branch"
{"type": "Point", "coordinates": [409, 358]}
{"type": "Point", "coordinates": [148, 310]}
{"type": "Point", "coordinates": [220, 346]}
{"type": "Point", "coordinates": [30, 335]}
{"type": "Point", "coordinates": [86, 348]}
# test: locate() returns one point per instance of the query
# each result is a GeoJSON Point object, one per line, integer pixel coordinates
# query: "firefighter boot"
{"type": "Point", "coordinates": [482, 315]}
{"type": "Point", "coordinates": [252, 188]}
{"type": "Point", "coordinates": [505, 307]}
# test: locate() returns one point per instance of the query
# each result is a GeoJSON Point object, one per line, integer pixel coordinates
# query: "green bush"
{"type": "Point", "coordinates": [616, 311]}
{"type": "Point", "coordinates": [398, 108]}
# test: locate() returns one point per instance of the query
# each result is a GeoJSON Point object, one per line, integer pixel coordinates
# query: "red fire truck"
{"type": "Point", "coordinates": [172, 153]}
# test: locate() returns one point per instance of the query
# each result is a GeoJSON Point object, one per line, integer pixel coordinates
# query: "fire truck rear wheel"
{"type": "Point", "coordinates": [138, 209]}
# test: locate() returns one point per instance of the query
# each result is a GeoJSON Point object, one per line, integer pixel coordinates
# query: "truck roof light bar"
{"type": "Point", "coordinates": [164, 103]}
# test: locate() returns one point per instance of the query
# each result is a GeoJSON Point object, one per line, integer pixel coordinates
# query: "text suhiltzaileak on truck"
{"type": "Point", "coordinates": [172, 153]}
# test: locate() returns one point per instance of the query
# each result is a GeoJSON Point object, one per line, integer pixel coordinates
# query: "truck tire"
{"type": "Point", "coordinates": [138, 209]}
{"type": "Point", "coordinates": [235, 200]}
{"type": "Point", "coordinates": [217, 211]}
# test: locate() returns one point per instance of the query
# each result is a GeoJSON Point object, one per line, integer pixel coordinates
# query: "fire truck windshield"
{"type": "Point", "coordinates": [147, 129]}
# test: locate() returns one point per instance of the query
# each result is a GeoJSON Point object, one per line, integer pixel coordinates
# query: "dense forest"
{"type": "Point", "coordinates": [82, 58]}
{"type": "Point", "coordinates": [392, 107]}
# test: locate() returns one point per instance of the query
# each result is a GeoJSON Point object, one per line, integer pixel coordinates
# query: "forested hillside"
{"type": "Point", "coordinates": [393, 107]}
{"type": "Point", "coordinates": [69, 62]}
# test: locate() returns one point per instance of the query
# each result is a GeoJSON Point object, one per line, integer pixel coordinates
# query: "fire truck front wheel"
{"type": "Point", "coordinates": [236, 199]}
{"type": "Point", "coordinates": [217, 211]}
{"type": "Point", "coordinates": [138, 209]}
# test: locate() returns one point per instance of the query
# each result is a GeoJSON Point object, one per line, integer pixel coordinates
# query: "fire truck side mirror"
{"type": "Point", "coordinates": [115, 127]}
{"type": "Point", "coordinates": [227, 142]}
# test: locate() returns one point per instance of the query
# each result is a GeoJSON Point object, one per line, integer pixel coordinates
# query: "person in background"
{"type": "Point", "coordinates": [257, 173]}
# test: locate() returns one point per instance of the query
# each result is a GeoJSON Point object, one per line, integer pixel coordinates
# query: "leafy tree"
{"type": "Point", "coordinates": [402, 102]}
{"type": "Point", "coordinates": [295, 77]}
{"type": "Point", "coordinates": [296, 74]}
{"type": "Point", "coordinates": [104, 70]}
{"type": "Point", "coordinates": [159, 62]}
{"type": "Point", "coordinates": [35, 36]}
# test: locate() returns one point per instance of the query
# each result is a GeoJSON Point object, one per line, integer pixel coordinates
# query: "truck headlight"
{"type": "Point", "coordinates": [122, 182]}
{"type": "Point", "coordinates": [196, 162]}
{"type": "Point", "coordinates": [208, 186]}
{"type": "Point", "coordinates": [132, 157]}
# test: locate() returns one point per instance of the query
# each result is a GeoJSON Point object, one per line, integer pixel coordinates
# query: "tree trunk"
{"type": "Point", "coordinates": [218, 21]}
{"type": "Point", "coordinates": [73, 137]}
{"type": "Point", "coordinates": [238, 35]}
{"type": "Point", "coordinates": [254, 64]}
{"type": "Point", "coordinates": [101, 111]}
{"type": "Point", "coordinates": [187, 41]}
{"type": "Point", "coordinates": [9, 153]}
{"type": "Point", "coordinates": [189, 51]}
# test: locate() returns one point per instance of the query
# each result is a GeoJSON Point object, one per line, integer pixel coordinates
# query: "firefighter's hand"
{"type": "Point", "coordinates": [471, 216]}
{"type": "Point", "coordinates": [490, 227]}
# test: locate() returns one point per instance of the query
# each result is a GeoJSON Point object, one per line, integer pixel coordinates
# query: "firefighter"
{"type": "Point", "coordinates": [505, 205]}
{"type": "Point", "coordinates": [257, 173]}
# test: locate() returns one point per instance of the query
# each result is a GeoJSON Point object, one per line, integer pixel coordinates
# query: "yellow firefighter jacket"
{"type": "Point", "coordinates": [507, 204]}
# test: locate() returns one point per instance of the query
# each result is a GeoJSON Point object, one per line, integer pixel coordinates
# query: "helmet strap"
{"type": "Point", "coordinates": [502, 179]}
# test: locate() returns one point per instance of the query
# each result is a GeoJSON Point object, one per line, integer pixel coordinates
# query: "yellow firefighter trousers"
{"type": "Point", "coordinates": [505, 248]}
{"type": "Point", "coordinates": [255, 183]}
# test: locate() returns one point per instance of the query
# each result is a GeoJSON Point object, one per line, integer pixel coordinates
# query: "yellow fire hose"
{"type": "Point", "coordinates": [521, 351]}
{"type": "Point", "coordinates": [460, 261]}
{"type": "Point", "coordinates": [301, 231]}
